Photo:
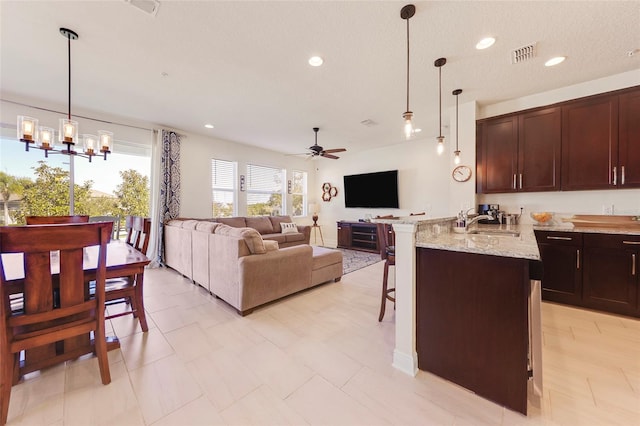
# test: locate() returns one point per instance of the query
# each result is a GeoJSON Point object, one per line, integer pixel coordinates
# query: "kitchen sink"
{"type": "Point", "coordinates": [495, 232]}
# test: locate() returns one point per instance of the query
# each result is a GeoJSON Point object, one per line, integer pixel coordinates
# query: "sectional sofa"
{"type": "Point", "coordinates": [244, 267]}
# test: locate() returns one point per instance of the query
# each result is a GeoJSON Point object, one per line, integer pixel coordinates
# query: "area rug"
{"type": "Point", "coordinates": [352, 260]}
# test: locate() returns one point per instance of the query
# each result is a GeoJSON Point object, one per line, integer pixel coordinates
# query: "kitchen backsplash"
{"type": "Point", "coordinates": [567, 203]}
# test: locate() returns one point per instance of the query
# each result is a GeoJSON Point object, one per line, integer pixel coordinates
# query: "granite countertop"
{"type": "Point", "coordinates": [569, 227]}
{"type": "Point", "coordinates": [523, 246]}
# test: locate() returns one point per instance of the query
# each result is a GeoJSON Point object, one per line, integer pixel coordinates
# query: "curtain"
{"type": "Point", "coordinates": [168, 205]}
{"type": "Point", "coordinates": [156, 158]}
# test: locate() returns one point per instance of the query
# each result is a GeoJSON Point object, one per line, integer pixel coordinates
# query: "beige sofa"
{"type": "Point", "coordinates": [241, 266]}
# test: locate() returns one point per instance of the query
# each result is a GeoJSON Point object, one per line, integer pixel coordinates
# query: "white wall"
{"type": "Point", "coordinates": [196, 153]}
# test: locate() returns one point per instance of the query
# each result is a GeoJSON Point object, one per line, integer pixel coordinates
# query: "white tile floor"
{"type": "Point", "coordinates": [319, 357]}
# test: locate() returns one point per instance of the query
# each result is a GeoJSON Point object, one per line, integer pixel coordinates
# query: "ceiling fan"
{"type": "Point", "coordinates": [317, 151]}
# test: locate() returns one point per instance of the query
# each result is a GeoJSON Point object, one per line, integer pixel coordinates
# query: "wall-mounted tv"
{"type": "Point", "coordinates": [372, 190]}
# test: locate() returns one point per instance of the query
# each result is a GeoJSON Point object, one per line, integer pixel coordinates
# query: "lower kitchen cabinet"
{"type": "Point", "coordinates": [591, 270]}
{"type": "Point", "coordinates": [561, 254]}
{"type": "Point", "coordinates": [611, 273]}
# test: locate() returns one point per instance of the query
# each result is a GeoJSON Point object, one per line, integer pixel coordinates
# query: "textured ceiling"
{"type": "Point", "coordinates": [242, 65]}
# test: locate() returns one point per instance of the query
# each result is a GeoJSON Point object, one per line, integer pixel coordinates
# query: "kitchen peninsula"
{"type": "Point", "coordinates": [466, 308]}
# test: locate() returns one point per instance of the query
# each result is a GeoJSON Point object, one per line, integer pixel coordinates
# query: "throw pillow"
{"type": "Point", "coordinates": [288, 228]}
{"type": "Point", "coordinates": [270, 245]}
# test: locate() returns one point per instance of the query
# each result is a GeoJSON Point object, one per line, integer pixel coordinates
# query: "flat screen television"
{"type": "Point", "coordinates": [372, 190]}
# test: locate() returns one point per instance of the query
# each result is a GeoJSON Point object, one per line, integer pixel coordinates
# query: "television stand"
{"type": "Point", "coordinates": [361, 236]}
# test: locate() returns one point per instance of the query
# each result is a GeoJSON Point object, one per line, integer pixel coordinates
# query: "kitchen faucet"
{"type": "Point", "coordinates": [475, 219]}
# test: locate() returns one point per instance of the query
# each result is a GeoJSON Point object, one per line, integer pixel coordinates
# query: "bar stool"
{"type": "Point", "coordinates": [388, 254]}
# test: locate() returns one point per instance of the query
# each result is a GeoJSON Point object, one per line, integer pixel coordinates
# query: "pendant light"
{"type": "Point", "coordinates": [43, 137]}
{"type": "Point", "coordinates": [439, 63]}
{"type": "Point", "coordinates": [456, 153]}
{"type": "Point", "coordinates": [405, 13]}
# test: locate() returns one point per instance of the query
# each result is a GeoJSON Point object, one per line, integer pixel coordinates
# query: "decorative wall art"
{"type": "Point", "coordinates": [328, 191]}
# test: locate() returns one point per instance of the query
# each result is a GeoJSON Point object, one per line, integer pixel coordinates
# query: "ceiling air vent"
{"type": "Point", "coordinates": [368, 123]}
{"type": "Point", "coordinates": [523, 53]}
{"type": "Point", "coordinates": [147, 6]}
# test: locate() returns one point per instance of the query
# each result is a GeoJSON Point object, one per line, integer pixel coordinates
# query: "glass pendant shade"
{"type": "Point", "coordinates": [106, 140]}
{"type": "Point", "coordinates": [46, 139]}
{"type": "Point", "coordinates": [90, 144]}
{"type": "Point", "coordinates": [456, 157]}
{"type": "Point", "coordinates": [440, 148]}
{"type": "Point", "coordinates": [27, 128]}
{"type": "Point", "coordinates": [409, 131]}
{"type": "Point", "coordinates": [68, 131]}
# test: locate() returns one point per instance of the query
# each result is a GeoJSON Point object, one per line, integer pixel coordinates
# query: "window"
{"type": "Point", "coordinates": [223, 184]}
{"type": "Point", "coordinates": [299, 193]}
{"type": "Point", "coordinates": [264, 190]}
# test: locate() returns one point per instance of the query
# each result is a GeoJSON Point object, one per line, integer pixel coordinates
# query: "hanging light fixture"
{"type": "Point", "coordinates": [405, 13]}
{"type": "Point", "coordinates": [456, 153]}
{"type": "Point", "coordinates": [43, 137]}
{"type": "Point", "coordinates": [439, 63]}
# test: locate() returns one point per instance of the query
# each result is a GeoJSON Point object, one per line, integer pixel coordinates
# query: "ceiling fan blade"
{"type": "Point", "coordinates": [325, 155]}
{"type": "Point", "coordinates": [298, 154]}
{"type": "Point", "coordinates": [329, 151]}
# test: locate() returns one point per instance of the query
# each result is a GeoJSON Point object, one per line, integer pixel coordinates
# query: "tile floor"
{"type": "Point", "coordinates": [317, 358]}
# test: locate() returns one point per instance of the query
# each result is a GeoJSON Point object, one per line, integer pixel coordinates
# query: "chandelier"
{"type": "Point", "coordinates": [44, 137]}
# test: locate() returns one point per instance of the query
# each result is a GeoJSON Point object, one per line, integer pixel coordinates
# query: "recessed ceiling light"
{"type": "Point", "coordinates": [485, 42]}
{"type": "Point", "coordinates": [315, 61]}
{"type": "Point", "coordinates": [209, 126]}
{"type": "Point", "coordinates": [555, 61]}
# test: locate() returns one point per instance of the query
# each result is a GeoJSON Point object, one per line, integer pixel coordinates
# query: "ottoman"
{"type": "Point", "coordinates": [327, 265]}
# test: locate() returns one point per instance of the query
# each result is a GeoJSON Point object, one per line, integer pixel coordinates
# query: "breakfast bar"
{"type": "Point", "coordinates": [467, 308]}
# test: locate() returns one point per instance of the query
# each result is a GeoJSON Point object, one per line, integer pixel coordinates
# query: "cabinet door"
{"type": "Point", "coordinates": [539, 137]}
{"type": "Point", "coordinates": [629, 149]}
{"type": "Point", "coordinates": [610, 273]}
{"type": "Point", "coordinates": [500, 154]}
{"type": "Point", "coordinates": [344, 234]}
{"type": "Point", "coordinates": [562, 262]}
{"type": "Point", "coordinates": [590, 143]}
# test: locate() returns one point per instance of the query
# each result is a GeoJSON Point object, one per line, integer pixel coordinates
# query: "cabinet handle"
{"type": "Point", "coordinates": [615, 176]}
{"type": "Point", "coordinates": [635, 243]}
{"type": "Point", "coordinates": [622, 177]}
{"type": "Point", "coordinates": [578, 259]}
{"type": "Point", "coordinates": [560, 238]}
{"type": "Point", "coordinates": [520, 180]}
{"type": "Point", "coordinates": [514, 181]}
{"type": "Point", "coordinates": [633, 264]}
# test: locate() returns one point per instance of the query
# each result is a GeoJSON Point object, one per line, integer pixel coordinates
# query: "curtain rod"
{"type": "Point", "coordinates": [80, 116]}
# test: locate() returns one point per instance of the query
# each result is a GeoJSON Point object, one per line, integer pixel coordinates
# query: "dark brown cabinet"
{"type": "Point", "coordinates": [590, 143]}
{"type": "Point", "coordinates": [520, 152]}
{"type": "Point", "coordinates": [611, 272]}
{"type": "Point", "coordinates": [561, 254]}
{"type": "Point", "coordinates": [361, 236]}
{"type": "Point", "coordinates": [629, 140]}
{"type": "Point", "coordinates": [591, 270]}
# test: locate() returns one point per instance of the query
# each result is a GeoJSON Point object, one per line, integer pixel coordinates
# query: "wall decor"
{"type": "Point", "coordinates": [328, 191]}
{"type": "Point", "coordinates": [241, 182]}
{"type": "Point", "coordinates": [289, 186]}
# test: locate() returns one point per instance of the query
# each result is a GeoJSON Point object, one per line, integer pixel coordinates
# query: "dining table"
{"type": "Point", "coordinates": [122, 261]}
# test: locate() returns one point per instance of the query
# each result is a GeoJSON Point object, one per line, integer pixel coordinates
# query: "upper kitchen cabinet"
{"type": "Point", "coordinates": [590, 143]}
{"type": "Point", "coordinates": [519, 152]}
{"type": "Point", "coordinates": [629, 141]}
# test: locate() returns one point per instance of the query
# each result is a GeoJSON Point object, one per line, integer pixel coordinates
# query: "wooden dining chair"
{"type": "Point", "coordinates": [129, 289]}
{"type": "Point", "coordinates": [52, 220]}
{"type": "Point", "coordinates": [115, 235]}
{"type": "Point", "coordinates": [40, 325]}
{"type": "Point", "coordinates": [388, 254]}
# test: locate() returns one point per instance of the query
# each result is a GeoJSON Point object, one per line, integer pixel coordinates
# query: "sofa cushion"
{"type": "Point", "coordinates": [175, 222]}
{"type": "Point", "coordinates": [189, 224]}
{"type": "Point", "coordinates": [262, 224]}
{"type": "Point", "coordinates": [250, 236]}
{"type": "Point", "coordinates": [288, 228]}
{"type": "Point", "coordinates": [280, 238]}
{"type": "Point", "coordinates": [295, 236]}
{"type": "Point", "coordinates": [236, 222]}
{"type": "Point", "coordinates": [270, 245]}
{"type": "Point", "coordinates": [206, 226]}
{"type": "Point", "coordinates": [277, 220]}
